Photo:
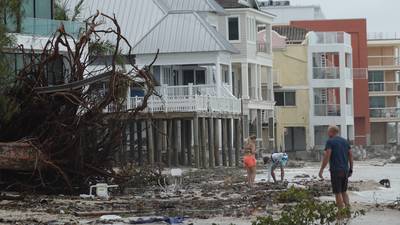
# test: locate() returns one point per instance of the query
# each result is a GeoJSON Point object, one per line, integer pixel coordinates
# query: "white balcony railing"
{"type": "Point", "coordinates": [194, 103]}
{"type": "Point", "coordinates": [392, 112]}
{"type": "Point", "coordinates": [383, 61]}
{"type": "Point", "coordinates": [391, 86]}
{"type": "Point", "coordinates": [187, 98]}
{"type": "Point", "coordinates": [327, 109]}
{"type": "Point", "coordinates": [384, 36]}
{"type": "Point", "coordinates": [331, 38]}
{"type": "Point", "coordinates": [326, 73]}
{"type": "Point", "coordinates": [264, 47]}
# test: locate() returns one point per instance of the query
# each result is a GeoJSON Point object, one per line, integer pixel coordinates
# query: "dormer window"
{"type": "Point", "coordinates": [233, 28]}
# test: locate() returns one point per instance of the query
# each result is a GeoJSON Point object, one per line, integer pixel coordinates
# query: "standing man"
{"type": "Point", "coordinates": [338, 154]}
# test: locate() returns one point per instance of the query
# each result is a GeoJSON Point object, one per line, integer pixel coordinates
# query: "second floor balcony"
{"type": "Point", "coordinates": [188, 98]}
{"type": "Point", "coordinates": [382, 87]}
{"type": "Point", "coordinates": [44, 27]}
{"type": "Point", "coordinates": [327, 110]}
{"type": "Point", "coordinates": [326, 73]}
{"type": "Point", "coordinates": [389, 113]}
{"type": "Point", "coordinates": [263, 47]}
{"type": "Point", "coordinates": [383, 61]}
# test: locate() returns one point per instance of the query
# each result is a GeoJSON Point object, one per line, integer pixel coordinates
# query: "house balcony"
{"type": "Point", "coordinates": [189, 98]}
{"type": "Point", "coordinates": [326, 73]}
{"type": "Point", "coordinates": [390, 88]}
{"type": "Point", "coordinates": [45, 27]}
{"type": "Point", "coordinates": [263, 47]}
{"type": "Point", "coordinates": [327, 110]}
{"type": "Point", "coordinates": [323, 38]}
{"type": "Point", "coordinates": [388, 114]}
{"type": "Point", "coordinates": [383, 62]}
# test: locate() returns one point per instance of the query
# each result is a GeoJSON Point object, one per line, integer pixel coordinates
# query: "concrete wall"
{"type": "Point", "coordinates": [292, 66]}
{"type": "Point", "coordinates": [378, 133]}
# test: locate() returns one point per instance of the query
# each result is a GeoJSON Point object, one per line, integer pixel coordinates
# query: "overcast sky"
{"type": "Point", "coordinates": [382, 15]}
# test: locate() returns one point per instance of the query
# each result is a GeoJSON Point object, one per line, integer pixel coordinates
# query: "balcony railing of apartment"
{"type": "Point", "coordinates": [47, 27]}
{"type": "Point", "coordinates": [264, 47]}
{"type": "Point", "coordinates": [360, 73]}
{"type": "Point", "coordinates": [383, 61]}
{"type": "Point", "coordinates": [327, 110]}
{"type": "Point", "coordinates": [188, 98]}
{"type": "Point", "coordinates": [326, 73]}
{"type": "Point", "coordinates": [390, 86]}
{"type": "Point", "coordinates": [384, 36]}
{"type": "Point", "coordinates": [333, 38]}
{"type": "Point", "coordinates": [390, 112]}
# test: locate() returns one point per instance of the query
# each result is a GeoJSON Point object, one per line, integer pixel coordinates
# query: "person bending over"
{"type": "Point", "coordinates": [277, 160]}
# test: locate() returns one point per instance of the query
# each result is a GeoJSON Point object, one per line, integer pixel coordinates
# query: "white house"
{"type": "Point", "coordinates": [197, 119]}
{"type": "Point", "coordinates": [249, 29]}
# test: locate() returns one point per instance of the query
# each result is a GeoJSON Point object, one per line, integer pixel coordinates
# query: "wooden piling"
{"type": "Point", "coordinates": [204, 151]}
{"type": "Point", "coordinates": [224, 141]}
{"type": "Point", "coordinates": [139, 142]}
{"type": "Point", "coordinates": [177, 141]}
{"type": "Point", "coordinates": [217, 136]}
{"type": "Point", "coordinates": [196, 142]}
{"type": "Point", "coordinates": [229, 140]}
{"type": "Point", "coordinates": [189, 143]}
{"type": "Point", "coordinates": [132, 150]}
{"type": "Point", "coordinates": [183, 158]}
{"type": "Point", "coordinates": [238, 142]}
{"type": "Point", "coordinates": [150, 142]}
{"type": "Point", "coordinates": [211, 147]}
{"type": "Point", "coordinates": [170, 143]}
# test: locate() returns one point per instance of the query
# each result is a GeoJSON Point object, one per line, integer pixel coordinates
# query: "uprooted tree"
{"type": "Point", "coordinates": [73, 125]}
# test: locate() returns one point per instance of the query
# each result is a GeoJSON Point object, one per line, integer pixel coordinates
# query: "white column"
{"type": "Point", "coordinates": [270, 80]}
{"type": "Point", "coordinates": [218, 78]}
{"type": "Point", "coordinates": [245, 81]}
{"type": "Point", "coordinates": [259, 83]}
{"type": "Point", "coordinates": [230, 81]}
{"type": "Point", "coordinates": [254, 81]}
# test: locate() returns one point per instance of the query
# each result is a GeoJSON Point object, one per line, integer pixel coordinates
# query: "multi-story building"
{"type": "Point", "coordinates": [314, 87]}
{"type": "Point", "coordinates": [285, 12]}
{"type": "Point", "coordinates": [210, 61]}
{"type": "Point", "coordinates": [249, 29]}
{"type": "Point", "coordinates": [384, 87]}
{"type": "Point", "coordinates": [357, 28]}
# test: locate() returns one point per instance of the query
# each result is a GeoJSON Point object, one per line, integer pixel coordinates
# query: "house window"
{"type": "Point", "coordinates": [375, 81]}
{"type": "Point", "coordinates": [285, 98]}
{"type": "Point", "coordinates": [194, 76]}
{"type": "Point", "coordinates": [233, 28]}
{"type": "Point", "coordinates": [377, 102]}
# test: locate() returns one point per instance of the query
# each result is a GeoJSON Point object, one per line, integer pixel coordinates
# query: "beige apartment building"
{"type": "Point", "coordinates": [384, 87]}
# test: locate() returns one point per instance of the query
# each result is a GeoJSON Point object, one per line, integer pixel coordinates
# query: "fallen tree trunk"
{"type": "Point", "coordinates": [19, 156]}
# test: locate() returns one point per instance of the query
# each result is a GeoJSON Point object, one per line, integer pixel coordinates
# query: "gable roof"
{"type": "Point", "coordinates": [232, 4]}
{"type": "Point", "coordinates": [168, 25]}
{"type": "Point", "coordinates": [293, 34]}
{"type": "Point", "coordinates": [193, 5]}
{"type": "Point", "coordinates": [183, 32]}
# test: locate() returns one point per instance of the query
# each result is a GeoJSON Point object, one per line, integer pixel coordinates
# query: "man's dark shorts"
{"type": "Point", "coordinates": [339, 180]}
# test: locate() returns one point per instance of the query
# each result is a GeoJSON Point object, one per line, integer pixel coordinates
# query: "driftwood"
{"type": "Point", "coordinates": [66, 130]}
